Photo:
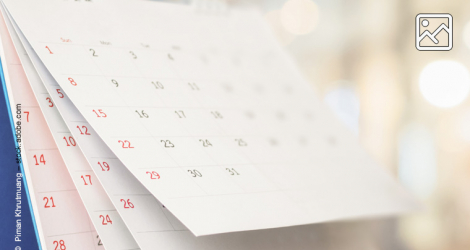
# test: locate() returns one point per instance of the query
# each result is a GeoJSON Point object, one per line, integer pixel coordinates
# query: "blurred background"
{"type": "Point", "coordinates": [409, 108]}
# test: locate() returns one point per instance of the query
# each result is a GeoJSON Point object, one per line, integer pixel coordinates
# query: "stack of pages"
{"type": "Point", "coordinates": [148, 125]}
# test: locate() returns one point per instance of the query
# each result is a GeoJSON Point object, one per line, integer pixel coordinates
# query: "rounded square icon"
{"type": "Point", "coordinates": [433, 32]}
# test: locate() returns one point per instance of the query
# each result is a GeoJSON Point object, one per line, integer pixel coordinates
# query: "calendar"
{"type": "Point", "coordinates": [150, 125]}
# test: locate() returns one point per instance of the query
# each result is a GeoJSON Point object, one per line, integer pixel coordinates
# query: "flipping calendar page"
{"type": "Point", "coordinates": [147, 220]}
{"type": "Point", "coordinates": [205, 111]}
{"type": "Point", "coordinates": [58, 212]}
{"type": "Point", "coordinates": [17, 228]}
{"type": "Point", "coordinates": [109, 226]}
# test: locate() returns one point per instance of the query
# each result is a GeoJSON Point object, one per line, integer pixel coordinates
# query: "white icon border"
{"type": "Point", "coordinates": [433, 48]}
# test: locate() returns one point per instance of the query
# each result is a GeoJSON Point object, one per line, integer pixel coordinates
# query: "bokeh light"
{"type": "Point", "coordinates": [466, 34]}
{"type": "Point", "coordinates": [417, 166]}
{"type": "Point", "coordinates": [299, 17]}
{"type": "Point", "coordinates": [345, 104]}
{"type": "Point", "coordinates": [464, 126]}
{"type": "Point", "coordinates": [274, 19]}
{"type": "Point", "coordinates": [444, 83]}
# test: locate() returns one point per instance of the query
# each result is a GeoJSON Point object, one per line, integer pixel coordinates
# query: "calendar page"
{"type": "Point", "coordinates": [99, 206]}
{"type": "Point", "coordinates": [177, 236]}
{"type": "Point", "coordinates": [16, 214]}
{"type": "Point", "coordinates": [57, 208]}
{"type": "Point", "coordinates": [144, 220]}
{"type": "Point", "coordinates": [205, 111]}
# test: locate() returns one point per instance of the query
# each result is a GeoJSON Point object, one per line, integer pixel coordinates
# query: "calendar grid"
{"type": "Point", "coordinates": [148, 195]}
{"type": "Point", "coordinates": [217, 124]}
{"type": "Point", "coordinates": [54, 126]}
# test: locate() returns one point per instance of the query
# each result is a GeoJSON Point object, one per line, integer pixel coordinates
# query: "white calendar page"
{"type": "Point", "coordinates": [60, 216]}
{"type": "Point", "coordinates": [140, 210]}
{"type": "Point", "coordinates": [113, 233]}
{"type": "Point", "coordinates": [206, 111]}
{"type": "Point", "coordinates": [145, 219]}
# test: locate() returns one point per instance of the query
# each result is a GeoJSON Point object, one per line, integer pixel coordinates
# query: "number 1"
{"type": "Point", "coordinates": [50, 52]}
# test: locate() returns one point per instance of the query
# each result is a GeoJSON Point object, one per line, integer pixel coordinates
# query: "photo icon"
{"type": "Point", "coordinates": [434, 32]}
